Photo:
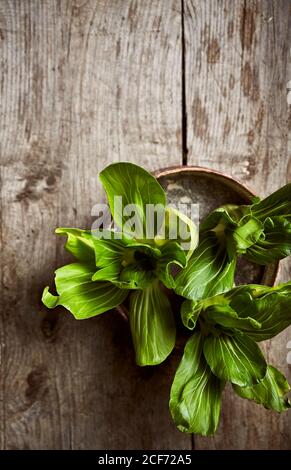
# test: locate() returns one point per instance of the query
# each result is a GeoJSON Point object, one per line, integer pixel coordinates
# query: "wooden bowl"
{"type": "Point", "coordinates": [211, 189]}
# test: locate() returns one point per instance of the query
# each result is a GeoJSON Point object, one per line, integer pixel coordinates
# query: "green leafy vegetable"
{"type": "Point", "coordinates": [82, 297]}
{"type": "Point", "coordinates": [270, 392]}
{"type": "Point", "coordinates": [79, 243]}
{"type": "Point", "coordinates": [152, 325]}
{"type": "Point", "coordinates": [236, 359]}
{"type": "Point", "coordinates": [227, 317]}
{"type": "Point", "coordinates": [226, 328]}
{"type": "Point", "coordinates": [270, 306]}
{"type": "Point", "coordinates": [190, 311]}
{"type": "Point", "coordinates": [134, 186]}
{"type": "Point", "coordinates": [247, 234]}
{"type": "Point", "coordinates": [263, 233]}
{"type": "Point", "coordinates": [261, 312]}
{"type": "Point", "coordinates": [260, 231]}
{"type": "Point", "coordinates": [274, 245]}
{"type": "Point", "coordinates": [137, 261]}
{"type": "Point", "coordinates": [196, 393]}
{"type": "Point", "coordinates": [125, 262]}
{"type": "Point", "coordinates": [178, 227]}
{"type": "Point", "coordinates": [210, 270]}
{"type": "Point", "coordinates": [230, 320]}
{"type": "Point", "coordinates": [277, 204]}
{"type": "Point", "coordinates": [171, 254]}
{"type": "Point", "coordinates": [113, 264]}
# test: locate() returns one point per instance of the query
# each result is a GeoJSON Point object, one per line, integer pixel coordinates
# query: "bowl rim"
{"type": "Point", "coordinates": [271, 271]}
{"type": "Point", "coordinates": [201, 169]}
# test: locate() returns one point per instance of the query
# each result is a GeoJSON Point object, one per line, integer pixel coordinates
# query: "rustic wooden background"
{"type": "Point", "coordinates": [156, 82]}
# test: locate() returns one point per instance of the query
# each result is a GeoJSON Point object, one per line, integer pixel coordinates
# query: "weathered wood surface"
{"type": "Point", "coordinates": [82, 84]}
{"type": "Point", "coordinates": [237, 64]}
{"type": "Point", "coordinates": [85, 83]}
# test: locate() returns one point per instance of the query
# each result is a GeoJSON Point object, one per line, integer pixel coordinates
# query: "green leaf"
{"type": "Point", "coordinates": [261, 230]}
{"type": "Point", "coordinates": [270, 392]}
{"type": "Point", "coordinates": [247, 234]}
{"type": "Point", "coordinates": [225, 316]}
{"type": "Point", "coordinates": [236, 359]}
{"type": "Point", "coordinates": [135, 265]}
{"type": "Point", "coordinates": [108, 250]}
{"type": "Point", "coordinates": [217, 220]}
{"type": "Point", "coordinates": [195, 398]}
{"type": "Point", "coordinates": [152, 325]}
{"type": "Point", "coordinates": [48, 299]}
{"type": "Point", "coordinates": [126, 262]}
{"type": "Point", "coordinates": [78, 294]}
{"type": "Point", "coordinates": [276, 243]}
{"type": "Point", "coordinates": [135, 186]}
{"type": "Point", "coordinates": [135, 276]}
{"type": "Point", "coordinates": [190, 311]}
{"type": "Point", "coordinates": [209, 272]}
{"type": "Point", "coordinates": [270, 306]}
{"type": "Point", "coordinates": [171, 253]}
{"type": "Point", "coordinates": [216, 311]}
{"type": "Point", "coordinates": [109, 257]}
{"type": "Point", "coordinates": [79, 243]}
{"type": "Point", "coordinates": [277, 204]}
{"type": "Point", "coordinates": [177, 227]}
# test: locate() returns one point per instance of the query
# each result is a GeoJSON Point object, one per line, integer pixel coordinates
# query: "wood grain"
{"type": "Point", "coordinates": [83, 83]}
{"type": "Point", "coordinates": [237, 64]}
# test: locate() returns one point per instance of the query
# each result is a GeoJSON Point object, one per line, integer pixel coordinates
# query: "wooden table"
{"type": "Point", "coordinates": [159, 83]}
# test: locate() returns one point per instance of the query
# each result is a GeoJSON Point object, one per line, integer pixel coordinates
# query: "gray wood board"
{"type": "Point", "coordinates": [82, 84]}
{"type": "Point", "coordinates": [86, 83]}
{"type": "Point", "coordinates": [237, 61]}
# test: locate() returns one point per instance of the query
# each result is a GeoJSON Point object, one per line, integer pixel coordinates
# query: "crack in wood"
{"type": "Point", "coordinates": [184, 107]}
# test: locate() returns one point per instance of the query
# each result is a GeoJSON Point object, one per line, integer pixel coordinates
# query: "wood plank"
{"type": "Point", "coordinates": [82, 84]}
{"type": "Point", "coordinates": [236, 67]}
